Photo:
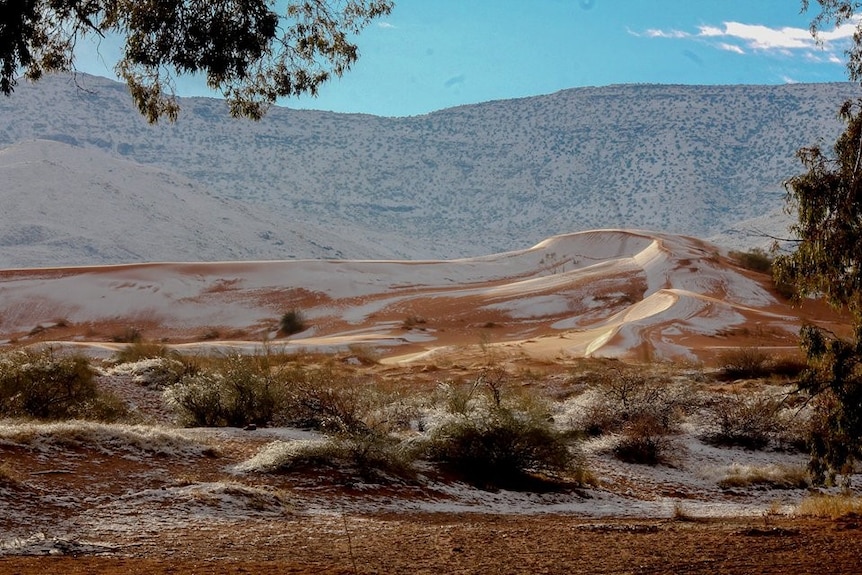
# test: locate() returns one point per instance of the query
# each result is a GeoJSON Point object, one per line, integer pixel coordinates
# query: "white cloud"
{"type": "Point", "coordinates": [789, 80]}
{"type": "Point", "coordinates": [741, 38]}
{"type": "Point", "coordinates": [653, 33]}
{"type": "Point", "coordinates": [760, 37]}
{"type": "Point", "coordinates": [386, 25]}
{"type": "Point", "coordinates": [731, 48]}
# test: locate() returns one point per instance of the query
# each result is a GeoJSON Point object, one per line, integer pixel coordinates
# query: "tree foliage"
{"type": "Point", "coordinates": [245, 49]}
{"type": "Point", "coordinates": [827, 198]}
{"type": "Point", "coordinates": [837, 13]}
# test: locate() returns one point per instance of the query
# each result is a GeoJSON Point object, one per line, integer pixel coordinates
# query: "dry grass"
{"type": "Point", "coordinates": [9, 477]}
{"type": "Point", "coordinates": [771, 476]}
{"type": "Point", "coordinates": [832, 506]}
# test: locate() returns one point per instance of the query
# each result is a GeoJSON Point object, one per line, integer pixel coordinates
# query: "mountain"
{"type": "Point", "coordinates": [67, 205]}
{"type": "Point", "coordinates": [618, 293]}
{"type": "Point", "coordinates": [472, 179]}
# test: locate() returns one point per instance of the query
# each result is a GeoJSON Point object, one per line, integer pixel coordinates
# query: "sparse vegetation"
{"type": "Point", "coordinates": [291, 322]}
{"type": "Point", "coordinates": [744, 362]}
{"type": "Point", "coordinates": [130, 334]}
{"type": "Point", "coordinates": [240, 391]}
{"type": "Point", "coordinates": [769, 476]}
{"type": "Point", "coordinates": [755, 259]}
{"type": "Point", "coordinates": [49, 385]}
{"type": "Point", "coordinates": [749, 420]}
{"type": "Point", "coordinates": [832, 506]}
{"type": "Point", "coordinates": [493, 438]}
{"type": "Point", "coordinates": [413, 322]}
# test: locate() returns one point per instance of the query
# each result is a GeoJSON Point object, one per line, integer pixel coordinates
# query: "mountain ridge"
{"type": "Point", "coordinates": [474, 179]}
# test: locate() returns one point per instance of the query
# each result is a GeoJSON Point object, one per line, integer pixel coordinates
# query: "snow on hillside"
{"type": "Point", "coordinates": [474, 179]}
{"type": "Point", "coordinates": [66, 205]}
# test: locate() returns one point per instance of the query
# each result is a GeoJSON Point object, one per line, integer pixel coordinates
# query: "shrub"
{"type": "Point", "coordinates": [492, 439]}
{"type": "Point", "coordinates": [645, 440]}
{"type": "Point", "coordinates": [293, 321]}
{"type": "Point", "coordinates": [747, 421]}
{"type": "Point", "coordinates": [138, 350]}
{"type": "Point", "coordinates": [156, 372]}
{"type": "Point", "coordinates": [771, 476]}
{"type": "Point", "coordinates": [43, 385]}
{"type": "Point", "coordinates": [130, 334]}
{"type": "Point", "coordinates": [241, 390]}
{"type": "Point", "coordinates": [832, 506]}
{"type": "Point", "coordinates": [371, 458]}
{"type": "Point", "coordinates": [332, 402]}
{"type": "Point", "coordinates": [413, 321]}
{"type": "Point", "coordinates": [755, 259]}
{"type": "Point", "coordinates": [625, 395]}
{"type": "Point", "coordinates": [744, 362]}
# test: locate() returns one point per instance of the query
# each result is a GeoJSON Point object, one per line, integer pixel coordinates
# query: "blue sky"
{"type": "Point", "coordinates": [433, 54]}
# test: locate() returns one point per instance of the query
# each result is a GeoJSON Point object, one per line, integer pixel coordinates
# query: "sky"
{"type": "Point", "coordinates": [433, 54]}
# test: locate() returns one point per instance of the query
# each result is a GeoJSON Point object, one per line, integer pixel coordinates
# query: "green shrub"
{"type": "Point", "coordinates": [44, 385]}
{"type": "Point", "coordinates": [293, 321]}
{"type": "Point", "coordinates": [755, 259]}
{"type": "Point", "coordinates": [492, 439]}
{"type": "Point", "coordinates": [241, 390]}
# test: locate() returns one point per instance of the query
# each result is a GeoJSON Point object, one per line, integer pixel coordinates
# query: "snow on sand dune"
{"type": "Point", "coordinates": [606, 292]}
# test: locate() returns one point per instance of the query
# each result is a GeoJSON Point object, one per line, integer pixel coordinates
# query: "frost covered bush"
{"type": "Point", "coordinates": [239, 391]}
{"type": "Point", "coordinates": [745, 420]}
{"type": "Point", "coordinates": [45, 385]}
{"type": "Point", "coordinates": [619, 397]}
{"type": "Point", "coordinates": [494, 439]}
{"type": "Point", "coordinates": [643, 410]}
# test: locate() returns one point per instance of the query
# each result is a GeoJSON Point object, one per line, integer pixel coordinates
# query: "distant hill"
{"type": "Point", "coordinates": [469, 180]}
{"type": "Point", "coordinates": [65, 205]}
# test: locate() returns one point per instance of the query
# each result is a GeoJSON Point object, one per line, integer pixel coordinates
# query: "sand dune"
{"type": "Point", "coordinates": [614, 293]}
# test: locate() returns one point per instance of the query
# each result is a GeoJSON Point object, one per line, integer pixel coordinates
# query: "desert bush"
{"type": "Point", "coordinates": [130, 334]}
{"type": "Point", "coordinates": [644, 440]}
{"type": "Point", "coordinates": [623, 396]}
{"type": "Point", "coordinates": [644, 409]}
{"type": "Point", "coordinates": [156, 372]}
{"type": "Point", "coordinates": [413, 321]}
{"type": "Point", "coordinates": [45, 385]}
{"type": "Point", "coordinates": [333, 402]}
{"type": "Point", "coordinates": [139, 349]}
{"type": "Point", "coordinates": [745, 420]}
{"type": "Point", "coordinates": [291, 322]}
{"type": "Point", "coordinates": [492, 438]}
{"type": "Point", "coordinates": [744, 362]}
{"type": "Point", "coordinates": [105, 437]}
{"type": "Point", "coordinates": [240, 390]}
{"type": "Point", "coordinates": [755, 259]}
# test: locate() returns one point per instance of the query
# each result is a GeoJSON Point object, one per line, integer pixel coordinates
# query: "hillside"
{"type": "Point", "coordinates": [67, 205]}
{"type": "Point", "coordinates": [616, 293]}
{"type": "Point", "coordinates": [474, 179]}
